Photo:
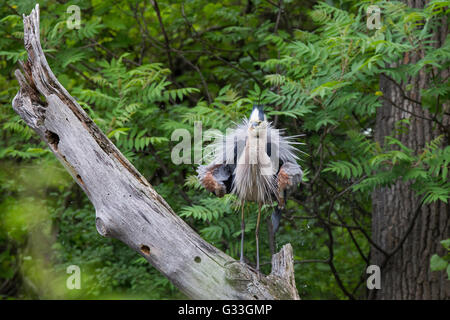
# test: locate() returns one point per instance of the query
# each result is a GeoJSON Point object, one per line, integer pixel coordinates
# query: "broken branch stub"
{"type": "Point", "coordinates": [126, 205]}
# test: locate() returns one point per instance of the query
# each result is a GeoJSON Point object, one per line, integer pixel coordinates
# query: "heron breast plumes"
{"type": "Point", "coordinates": [255, 171]}
{"type": "Point", "coordinates": [246, 161]}
{"type": "Point", "coordinates": [256, 163]}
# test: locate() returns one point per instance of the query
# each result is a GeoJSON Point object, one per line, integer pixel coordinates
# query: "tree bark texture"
{"type": "Point", "coordinates": [126, 205]}
{"type": "Point", "coordinates": [406, 230]}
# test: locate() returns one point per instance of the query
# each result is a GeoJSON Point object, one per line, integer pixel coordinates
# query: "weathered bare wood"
{"type": "Point", "coordinates": [127, 207]}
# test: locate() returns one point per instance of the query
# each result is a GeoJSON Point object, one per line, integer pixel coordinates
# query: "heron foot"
{"type": "Point", "coordinates": [241, 261]}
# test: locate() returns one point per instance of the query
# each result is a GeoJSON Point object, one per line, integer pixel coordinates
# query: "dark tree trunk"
{"type": "Point", "coordinates": [398, 219]}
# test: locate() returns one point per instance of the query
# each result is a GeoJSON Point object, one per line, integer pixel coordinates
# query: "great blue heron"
{"type": "Point", "coordinates": [256, 163]}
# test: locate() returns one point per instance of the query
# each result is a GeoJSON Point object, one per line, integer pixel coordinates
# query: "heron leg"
{"type": "Point", "coordinates": [257, 236]}
{"type": "Point", "coordinates": [242, 231]}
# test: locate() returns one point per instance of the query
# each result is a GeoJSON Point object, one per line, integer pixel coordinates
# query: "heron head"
{"type": "Point", "coordinates": [257, 121]}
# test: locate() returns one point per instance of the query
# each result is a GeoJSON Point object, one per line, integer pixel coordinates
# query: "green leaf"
{"type": "Point", "coordinates": [437, 263]}
{"type": "Point", "coordinates": [446, 244]}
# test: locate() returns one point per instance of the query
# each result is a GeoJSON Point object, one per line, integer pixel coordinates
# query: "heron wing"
{"type": "Point", "coordinates": [216, 178]}
{"type": "Point", "coordinates": [294, 172]}
{"type": "Point", "coordinates": [289, 175]}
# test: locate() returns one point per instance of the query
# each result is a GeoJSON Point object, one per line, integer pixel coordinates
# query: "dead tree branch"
{"type": "Point", "coordinates": [127, 207]}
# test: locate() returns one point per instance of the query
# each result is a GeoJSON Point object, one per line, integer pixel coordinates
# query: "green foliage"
{"type": "Point", "coordinates": [317, 72]}
{"type": "Point", "coordinates": [438, 263]}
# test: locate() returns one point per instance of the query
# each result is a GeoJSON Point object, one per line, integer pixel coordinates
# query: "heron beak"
{"type": "Point", "coordinates": [257, 116]}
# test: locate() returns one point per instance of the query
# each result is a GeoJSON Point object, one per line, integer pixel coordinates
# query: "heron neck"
{"type": "Point", "coordinates": [255, 146]}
